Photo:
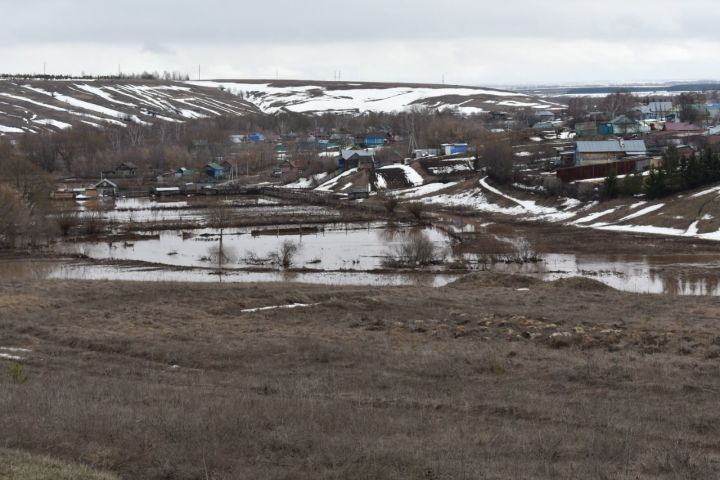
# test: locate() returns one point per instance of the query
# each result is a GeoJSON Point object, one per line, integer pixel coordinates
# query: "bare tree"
{"type": "Point", "coordinates": [617, 103]}
{"type": "Point", "coordinates": [498, 157]}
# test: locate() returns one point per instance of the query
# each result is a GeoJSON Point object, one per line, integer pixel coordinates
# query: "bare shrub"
{"type": "Point", "coordinates": [66, 221]}
{"type": "Point", "coordinates": [390, 204]}
{"type": "Point", "coordinates": [416, 209]}
{"type": "Point", "coordinates": [416, 249]}
{"type": "Point", "coordinates": [523, 252]}
{"type": "Point", "coordinates": [92, 223]}
{"type": "Point", "coordinates": [285, 254]}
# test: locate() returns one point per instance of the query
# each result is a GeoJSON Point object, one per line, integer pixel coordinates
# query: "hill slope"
{"type": "Point", "coordinates": [37, 106]}
{"type": "Point", "coordinates": [272, 96]}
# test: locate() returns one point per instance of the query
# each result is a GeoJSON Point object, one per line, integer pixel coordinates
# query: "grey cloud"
{"type": "Point", "coordinates": [292, 21]}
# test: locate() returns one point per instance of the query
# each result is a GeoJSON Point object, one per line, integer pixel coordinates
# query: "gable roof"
{"type": "Point", "coordinates": [348, 154]}
{"type": "Point", "coordinates": [215, 166]}
{"type": "Point", "coordinates": [681, 127]}
{"type": "Point", "coordinates": [107, 182]}
{"type": "Point", "coordinates": [623, 120]}
{"type": "Point", "coordinates": [612, 146]}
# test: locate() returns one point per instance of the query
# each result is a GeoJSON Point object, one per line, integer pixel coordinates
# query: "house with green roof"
{"type": "Point", "coordinates": [622, 125]}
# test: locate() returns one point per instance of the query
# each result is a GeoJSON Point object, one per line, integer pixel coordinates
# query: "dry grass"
{"type": "Point", "coordinates": [475, 380]}
{"type": "Point", "coordinates": [22, 466]}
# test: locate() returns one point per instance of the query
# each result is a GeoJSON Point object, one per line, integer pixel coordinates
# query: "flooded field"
{"type": "Point", "coordinates": [194, 209]}
{"type": "Point", "coordinates": [334, 253]}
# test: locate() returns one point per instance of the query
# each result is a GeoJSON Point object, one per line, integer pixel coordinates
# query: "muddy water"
{"type": "Point", "coordinates": [354, 247]}
{"type": "Point", "coordinates": [145, 210]}
{"type": "Point", "coordinates": [686, 275]}
{"type": "Point", "coordinates": [339, 254]}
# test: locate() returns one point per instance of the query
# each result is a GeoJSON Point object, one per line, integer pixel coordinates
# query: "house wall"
{"type": "Point", "coordinates": [596, 158]}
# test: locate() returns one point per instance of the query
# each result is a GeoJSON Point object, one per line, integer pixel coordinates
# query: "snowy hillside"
{"type": "Point", "coordinates": [37, 106]}
{"type": "Point", "coordinates": [316, 97]}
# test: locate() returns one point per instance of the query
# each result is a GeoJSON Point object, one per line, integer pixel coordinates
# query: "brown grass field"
{"type": "Point", "coordinates": [476, 380]}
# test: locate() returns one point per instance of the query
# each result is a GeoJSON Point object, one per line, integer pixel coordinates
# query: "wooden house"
{"type": "Point", "coordinates": [106, 188]}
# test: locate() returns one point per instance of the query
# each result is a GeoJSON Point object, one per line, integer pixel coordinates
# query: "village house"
{"type": "Point", "coordinates": [373, 140]}
{"type": "Point", "coordinates": [657, 111]}
{"type": "Point", "coordinates": [604, 151]}
{"type": "Point", "coordinates": [586, 129]}
{"type": "Point", "coordinates": [623, 125]}
{"type": "Point", "coordinates": [356, 158]}
{"type": "Point", "coordinates": [126, 169]}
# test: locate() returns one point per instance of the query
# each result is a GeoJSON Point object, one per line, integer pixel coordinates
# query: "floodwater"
{"type": "Point", "coordinates": [353, 247]}
{"type": "Point", "coordinates": [336, 254]}
{"type": "Point", "coordinates": [194, 209]}
{"type": "Point", "coordinates": [691, 275]}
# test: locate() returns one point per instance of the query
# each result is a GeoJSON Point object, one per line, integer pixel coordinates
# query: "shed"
{"type": "Point", "coordinates": [214, 170]}
{"type": "Point", "coordinates": [454, 148]}
{"type": "Point", "coordinates": [106, 188]}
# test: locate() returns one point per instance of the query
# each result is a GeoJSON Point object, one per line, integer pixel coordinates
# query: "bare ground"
{"type": "Point", "coordinates": [493, 377]}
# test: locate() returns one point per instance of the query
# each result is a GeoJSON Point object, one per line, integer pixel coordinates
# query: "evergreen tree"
{"type": "Point", "coordinates": [611, 185]}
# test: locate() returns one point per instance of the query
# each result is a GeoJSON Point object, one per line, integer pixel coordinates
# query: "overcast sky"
{"type": "Point", "coordinates": [472, 42]}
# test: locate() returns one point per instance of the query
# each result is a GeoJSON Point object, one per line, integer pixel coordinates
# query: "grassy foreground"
{"type": "Point", "coordinates": [23, 466]}
{"type": "Point", "coordinates": [493, 377]}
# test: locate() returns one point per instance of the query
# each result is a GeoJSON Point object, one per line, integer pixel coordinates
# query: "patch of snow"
{"type": "Point", "coordinates": [706, 192]}
{"type": "Point", "coordinates": [642, 212]}
{"type": "Point", "coordinates": [306, 182]}
{"type": "Point", "coordinates": [528, 205]}
{"type": "Point", "coordinates": [641, 229]}
{"type": "Point", "coordinates": [380, 183]}
{"type": "Point", "coordinates": [332, 183]}
{"type": "Point", "coordinates": [11, 130]}
{"type": "Point", "coordinates": [102, 94]}
{"type": "Point", "coordinates": [53, 123]}
{"type": "Point", "coordinates": [594, 216]}
{"type": "Point", "coordinates": [692, 229]}
{"type": "Point", "coordinates": [422, 190]}
{"type": "Point", "coordinates": [10, 357]}
{"type": "Point", "coordinates": [412, 176]}
{"type": "Point", "coordinates": [278, 307]}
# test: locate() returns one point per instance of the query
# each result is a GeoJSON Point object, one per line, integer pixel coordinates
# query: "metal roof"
{"type": "Point", "coordinates": [612, 146]}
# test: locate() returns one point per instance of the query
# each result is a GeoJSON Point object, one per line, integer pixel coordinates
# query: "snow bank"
{"type": "Point", "coordinates": [332, 183]}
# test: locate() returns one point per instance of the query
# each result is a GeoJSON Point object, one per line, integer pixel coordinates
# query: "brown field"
{"type": "Point", "coordinates": [475, 380]}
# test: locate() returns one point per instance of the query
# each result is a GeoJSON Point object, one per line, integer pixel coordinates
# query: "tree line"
{"type": "Point", "coordinates": [677, 173]}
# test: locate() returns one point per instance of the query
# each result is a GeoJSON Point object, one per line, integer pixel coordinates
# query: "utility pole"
{"type": "Point", "coordinates": [198, 72]}
{"type": "Point", "coordinates": [44, 69]}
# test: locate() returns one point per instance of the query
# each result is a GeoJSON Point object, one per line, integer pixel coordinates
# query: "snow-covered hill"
{"type": "Point", "coordinates": [37, 106]}
{"type": "Point", "coordinates": [358, 97]}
